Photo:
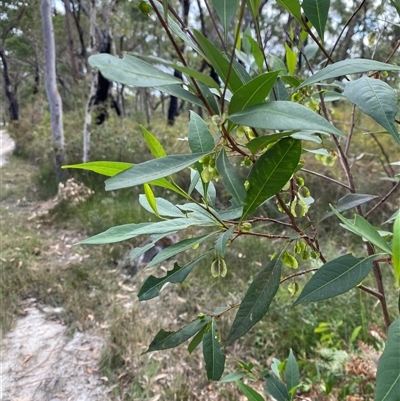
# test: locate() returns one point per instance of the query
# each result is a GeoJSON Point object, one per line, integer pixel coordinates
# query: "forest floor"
{"type": "Point", "coordinates": [38, 361]}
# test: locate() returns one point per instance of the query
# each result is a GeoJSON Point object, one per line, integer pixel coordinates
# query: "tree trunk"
{"type": "Point", "coordinates": [53, 95]}
{"type": "Point", "coordinates": [13, 107]}
{"type": "Point", "coordinates": [74, 65]}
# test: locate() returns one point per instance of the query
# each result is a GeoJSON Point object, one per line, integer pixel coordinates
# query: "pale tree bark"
{"type": "Point", "coordinates": [53, 95]}
{"type": "Point", "coordinates": [93, 86]}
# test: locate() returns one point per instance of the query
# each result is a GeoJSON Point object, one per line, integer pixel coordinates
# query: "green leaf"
{"type": "Point", "coordinates": [377, 100]}
{"type": "Point", "coordinates": [179, 92]}
{"type": "Point", "coordinates": [249, 393]}
{"type": "Point", "coordinates": [283, 115]}
{"type": "Point", "coordinates": [199, 76]}
{"type": "Point", "coordinates": [317, 13]}
{"type": "Point", "coordinates": [152, 286]}
{"type": "Point", "coordinates": [140, 250]}
{"type": "Point", "coordinates": [222, 241]}
{"type": "Point", "coordinates": [127, 231]}
{"type": "Point", "coordinates": [230, 178]}
{"type": "Point", "coordinates": [252, 93]}
{"type": "Point", "coordinates": [263, 141]}
{"type": "Point", "coordinates": [105, 168]}
{"type": "Point", "coordinates": [219, 62]}
{"type": "Point", "coordinates": [396, 250]}
{"type": "Point", "coordinates": [291, 373]}
{"type": "Point", "coordinates": [276, 388]}
{"type": "Point", "coordinates": [152, 170]}
{"type": "Point", "coordinates": [232, 377]}
{"type": "Point", "coordinates": [209, 97]}
{"type": "Point", "coordinates": [254, 6]}
{"type": "Point", "coordinates": [293, 6]}
{"type": "Point", "coordinates": [348, 202]}
{"type": "Point", "coordinates": [213, 357]}
{"type": "Point", "coordinates": [257, 300]}
{"type": "Point", "coordinates": [164, 207]}
{"type": "Point", "coordinates": [131, 71]}
{"type": "Point", "coordinates": [256, 52]}
{"type": "Point", "coordinates": [291, 59]}
{"type": "Point", "coordinates": [388, 375]}
{"type": "Point", "coordinates": [226, 10]}
{"type": "Point", "coordinates": [336, 277]}
{"type": "Point", "coordinates": [177, 248]}
{"type": "Point", "coordinates": [197, 339]}
{"type": "Point", "coordinates": [271, 172]}
{"type": "Point", "coordinates": [154, 145]}
{"type": "Point", "coordinates": [348, 67]}
{"type": "Point", "coordinates": [171, 339]}
{"type": "Point", "coordinates": [151, 199]}
{"type": "Point", "coordinates": [200, 138]}
{"type": "Point", "coordinates": [364, 229]}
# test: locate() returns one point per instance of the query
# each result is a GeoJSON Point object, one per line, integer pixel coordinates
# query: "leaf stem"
{"type": "Point", "coordinates": [298, 274]}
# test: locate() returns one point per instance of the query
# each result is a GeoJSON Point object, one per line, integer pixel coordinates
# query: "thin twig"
{"type": "Point", "coordinates": [215, 24]}
{"type": "Point", "coordinates": [351, 130]}
{"type": "Point", "coordinates": [325, 178]}
{"type": "Point", "coordinates": [269, 236]}
{"type": "Point", "coordinates": [298, 274]}
{"type": "Point", "coordinates": [370, 291]}
{"type": "Point", "coordinates": [382, 200]}
{"type": "Point", "coordinates": [344, 28]}
{"type": "Point", "coordinates": [385, 155]}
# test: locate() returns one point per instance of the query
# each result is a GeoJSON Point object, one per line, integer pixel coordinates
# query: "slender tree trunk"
{"type": "Point", "coordinates": [53, 95]}
{"type": "Point", "coordinates": [93, 88]}
{"type": "Point", "coordinates": [13, 107]}
{"type": "Point", "coordinates": [74, 65]}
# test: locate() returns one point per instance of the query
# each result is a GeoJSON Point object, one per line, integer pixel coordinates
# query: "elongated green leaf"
{"type": "Point", "coordinates": [388, 375]}
{"type": "Point", "coordinates": [226, 10]}
{"type": "Point", "coordinates": [257, 300]}
{"type": "Point", "coordinates": [232, 377]}
{"type": "Point", "coordinates": [293, 6]}
{"type": "Point", "coordinates": [377, 100]}
{"type": "Point", "coordinates": [263, 141]}
{"type": "Point", "coordinates": [291, 59]}
{"type": "Point", "coordinates": [361, 227]}
{"type": "Point", "coordinates": [180, 93]}
{"type": "Point", "coordinates": [249, 393]}
{"type": "Point", "coordinates": [152, 170]}
{"type": "Point", "coordinates": [164, 207]}
{"type": "Point", "coordinates": [213, 357]}
{"type": "Point", "coordinates": [197, 339]}
{"type": "Point", "coordinates": [348, 67]}
{"type": "Point", "coordinates": [256, 52]}
{"type": "Point", "coordinates": [271, 172]}
{"type": "Point", "coordinates": [317, 13]}
{"type": "Point", "coordinates": [153, 143]}
{"type": "Point", "coordinates": [231, 214]}
{"type": "Point", "coordinates": [276, 388]}
{"type": "Point", "coordinates": [209, 97]}
{"type": "Point", "coordinates": [179, 67]}
{"type": "Point", "coordinates": [283, 116]}
{"type": "Point", "coordinates": [396, 250]}
{"type": "Point", "coordinates": [177, 248]}
{"type": "Point", "coordinates": [153, 285]}
{"type": "Point", "coordinates": [252, 93]}
{"type": "Point", "coordinates": [219, 62]}
{"type": "Point", "coordinates": [171, 339]}
{"type": "Point", "coordinates": [127, 231]}
{"type": "Point", "coordinates": [102, 167]}
{"type": "Point", "coordinates": [200, 138]}
{"type": "Point", "coordinates": [231, 179]}
{"type": "Point", "coordinates": [291, 373]}
{"type": "Point", "coordinates": [151, 199]}
{"type": "Point", "coordinates": [140, 250]}
{"type": "Point", "coordinates": [254, 6]}
{"type": "Point", "coordinates": [222, 241]}
{"type": "Point", "coordinates": [350, 201]}
{"type": "Point", "coordinates": [336, 277]}
{"type": "Point", "coordinates": [131, 71]}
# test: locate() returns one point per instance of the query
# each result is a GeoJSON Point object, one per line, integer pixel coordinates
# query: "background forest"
{"type": "Point", "coordinates": [337, 342]}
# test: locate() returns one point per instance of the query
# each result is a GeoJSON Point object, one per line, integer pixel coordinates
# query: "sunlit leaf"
{"type": "Point", "coordinates": [152, 170]}
{"type": "Point", "coordinates": [153, 143]}
{"type": "Point", "coordinates": [257, 300]}
{"type": "Point", "coordinates": [130, 71]}
{"type": "Point", "coordinates": [335, 278]}
{"type": "Point", "coordinates": [388, 375]}
{"type": "Point", "coordinates": [377, 100]}
{"type": "Point", "coordinates": [164, 207]}
{"type": "Point", "coordinates": [348, 67]}
{"type": "Point", "coordinates": [293, 6]}
{"type": "Point", "coordinates": [102, 167]}
{"type": "Point", "coordinates": [283, 115]}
